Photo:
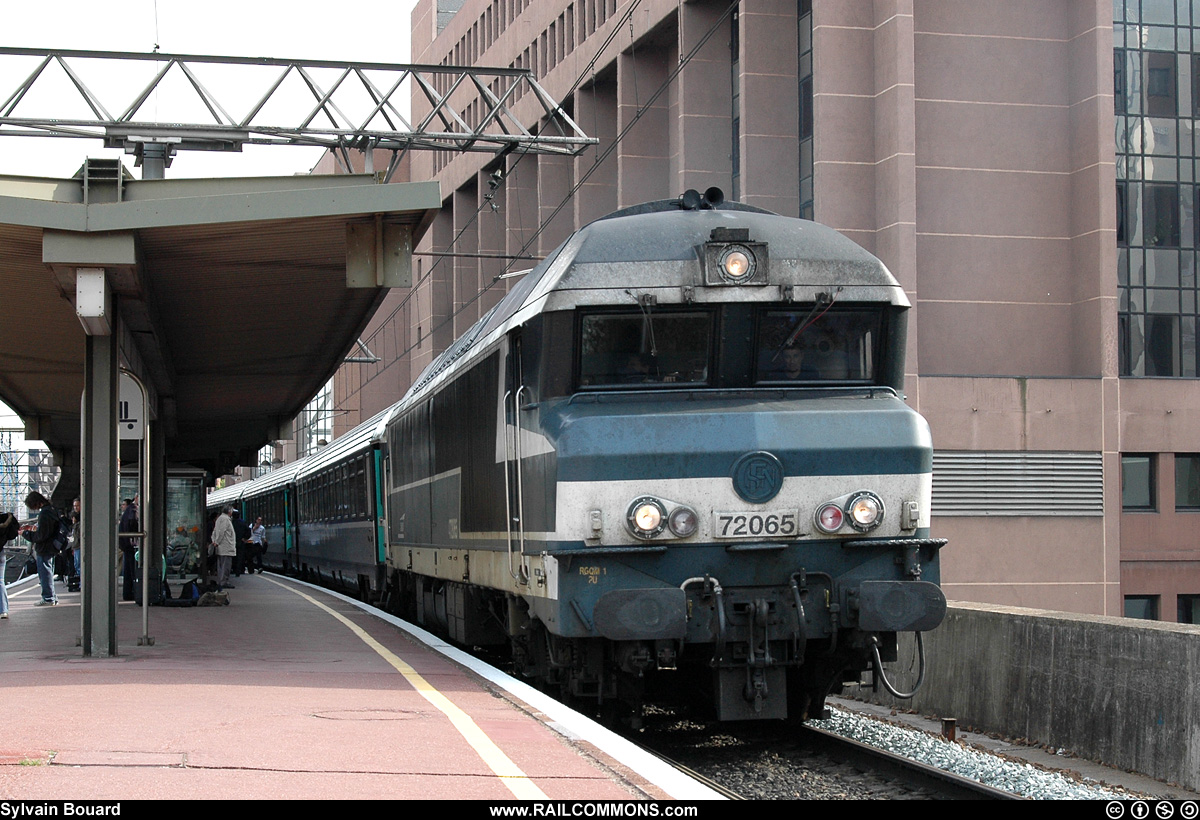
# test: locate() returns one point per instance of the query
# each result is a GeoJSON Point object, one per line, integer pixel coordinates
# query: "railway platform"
{"type": "Point", "coordinates": [290, 692]}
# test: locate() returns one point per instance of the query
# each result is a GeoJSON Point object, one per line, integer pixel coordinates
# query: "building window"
{"type": "Point", "coordinates": [1187, 609]}
{"type": "Point", "coordinates": [1187, 481]}
{"type": "Point", "coordinates": [1156, 90]}
{"type": "Point", "coordinates": [1160, 214]}
{"type": "Point", "coordinates": [1160, 84]}
{"type": "Point", "coordinates": [1144, 607]}
{"type": "Point", "coordinates": [805, 76]}
{"type": "Point", "coordinates": [1137, 482]}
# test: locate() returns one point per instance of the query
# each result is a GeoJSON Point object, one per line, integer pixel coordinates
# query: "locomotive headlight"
{"type": "Point", "coordinates": [646, 517]}
{"type": "Point", "coordinates": [737, 263]}
{"type": "Point", "coordinates": [830, 518]}
{"type": "Point", "coordinates": [683, 522]}
{"type": "Point", "coordinates": [865, 511]}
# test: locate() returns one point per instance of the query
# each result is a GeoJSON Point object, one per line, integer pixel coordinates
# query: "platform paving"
{"type": "Point", "coordinates": [288, 692]}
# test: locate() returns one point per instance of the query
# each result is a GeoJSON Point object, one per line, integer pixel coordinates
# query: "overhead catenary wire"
{"type": "Point", "coordinates": [590, 68]}
{"type": "Point", "coordinates": [639, 113]}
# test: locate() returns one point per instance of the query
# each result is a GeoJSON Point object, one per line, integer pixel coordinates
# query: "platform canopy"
{"type": "Point", "coordinates": [237, 298]}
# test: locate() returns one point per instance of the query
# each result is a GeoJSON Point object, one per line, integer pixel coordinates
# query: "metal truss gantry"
{"type": "Point", "coordinates": [172, 102]}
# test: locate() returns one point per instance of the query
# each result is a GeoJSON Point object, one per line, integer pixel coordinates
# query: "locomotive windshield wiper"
{"type": "Point", "coordinates": [823, 304]}
{"type": "Point", "coordinates": [645, 301]}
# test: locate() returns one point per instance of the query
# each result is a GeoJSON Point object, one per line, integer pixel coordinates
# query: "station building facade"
{"type": "Point", "coordinates": [1027, 170]}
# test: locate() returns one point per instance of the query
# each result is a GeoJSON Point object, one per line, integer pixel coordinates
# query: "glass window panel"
{"type": "Point", "coordinates": [1162, 345]}
{"type": "Point", "coordinates": [1161, 135]}
{"type": "Point", "coordinates": [1137, 481]}
{"type": "Point", "coordinates": [1187, 226]}
{"type": "Point", "coordinates": [1162, 169]}
{"type": "Point", "coordinates": [1162, 300]}
{"type": "Point", "coordinates": [1158, 11]}
{"type": "Point", "coordinates": [1158, 38]}
{"type": "Point", "coordinates": [1133, 345]}
{"type": "Point", "coordinates": [1187, 609]}
{"type": "Point", "coordinates": [1133, 222]}
{"type": "Point", "coordinates": [1160, 215]}
{"type": "Point", "coordinates": [1187, 130]}
{"type": "Point", "coordinates": [1189, 303]}
{"type": "Point", "coordinates": [1133, 79]}
{"type": "Point", "coordinates": [836, 345]}
{"type": "Point", "coordinates": [1187, 344]}
{"type": "Point", "coordinates": [1162, 269]}
{"type": "Point", "coordinates": [1144, 607]}
{"type": "Point", "coordinates": [1187, 269]}
{"type": "Point", "coordinates": [1123, 266]}
{"type": "Point", "coordinates": [1183, 12]}
{"type": "Point", "coordinates": [1160, 81]}
{"type": "Point", "coordinates": [1119, 81]}
{"type": "Point", "coordinates": [645, 350]}
{"type": "Point", "coordinates": [806, 191]}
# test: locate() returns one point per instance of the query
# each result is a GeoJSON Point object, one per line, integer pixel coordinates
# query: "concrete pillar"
{"type": "Point", "coordinates": [554, 185]}
{"type": "Point", "coordinates": [770, 94]}
{"type": "Point", "coordinates": [643, 157]}
{"type": "Point", "coordinates": [490, 224]}
{"type": "Point", "coordinates": [520, 212]}
{"type": "Point", "coordinates": [155, 524]}
{"type": "Point", "coordinates": [596, 113]}
{"type": "Point", "coordinates": [705, 128]}
{"type": "Point", "coordinates": [99, 498]}
{"type": "Point", "coordinates": [466, 268]}
{"type": "Point", "coordinates": [437, 331]}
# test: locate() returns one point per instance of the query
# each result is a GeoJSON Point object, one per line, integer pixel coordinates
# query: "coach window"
{"type": "Point", "coordinates": [1137, 482]}
{"type": "Point", "coordinates": [649, 348]}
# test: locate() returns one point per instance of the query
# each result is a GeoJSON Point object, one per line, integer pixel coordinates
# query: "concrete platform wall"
{"type": "Point", "coordinates": [1116, 690]}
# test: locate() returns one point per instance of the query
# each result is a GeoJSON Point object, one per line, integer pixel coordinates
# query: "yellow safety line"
{"type": "Point", "coordinates": [510, 775]}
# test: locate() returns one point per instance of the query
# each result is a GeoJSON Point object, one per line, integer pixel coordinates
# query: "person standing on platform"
{"type": "Point", "coordinates": [129, 546]}
{"type": "Point", "coordinates": [258, 545]}
{"type": "Point", "coordinates": [242, 562]}
{"type": "Point", "coordinates": [42, 537]}
{"type": "Point", "coordinates": [73, 519]}
{"type": "Point", "coordinates": [224, 544]}
{"type": "Point", "coordinates": [9, 527]}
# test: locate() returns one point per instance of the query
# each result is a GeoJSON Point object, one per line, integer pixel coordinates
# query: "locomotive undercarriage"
{"type": "Point", "coordinates": [748, 654]}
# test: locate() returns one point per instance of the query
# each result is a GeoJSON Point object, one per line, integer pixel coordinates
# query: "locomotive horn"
{"type": "Point", "coordinates": [691, 200]}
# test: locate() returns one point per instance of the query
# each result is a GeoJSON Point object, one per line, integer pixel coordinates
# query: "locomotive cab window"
{"type": "Point", "coordinates": [655, 348]}
{"type": "Point", "coordinates": [811, 345]}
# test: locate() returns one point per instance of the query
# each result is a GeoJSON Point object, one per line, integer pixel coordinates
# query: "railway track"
{"type": "Point", "coordinates": [753, 761]}
{"type": "Point", "coordinates": [912, 773]}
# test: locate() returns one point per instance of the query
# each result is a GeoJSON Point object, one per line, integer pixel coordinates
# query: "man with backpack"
{"type": "Point", "coordinates": [49, 538]}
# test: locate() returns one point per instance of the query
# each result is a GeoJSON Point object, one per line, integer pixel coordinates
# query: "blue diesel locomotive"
{"type": "Point", "coordinates": [674, 457]}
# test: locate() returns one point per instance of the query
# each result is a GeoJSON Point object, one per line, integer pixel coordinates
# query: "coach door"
{"type": "Point", "coordinates": [513, 485]}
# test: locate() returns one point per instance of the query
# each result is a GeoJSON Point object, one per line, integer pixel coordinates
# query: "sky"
{"type": "Point", "coordinates": [249, 28]}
